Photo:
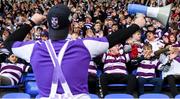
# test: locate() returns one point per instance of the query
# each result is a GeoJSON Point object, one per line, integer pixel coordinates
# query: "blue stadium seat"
{"type": "Point", "coordinates": [16, 96]}
{"type": "Point", "coordinates": [31, 88]}
{"type": "Point", "coordinates": [10, 87]}
{"type": "Point", "coordinates": [99, 72]}
{"type": "Point", "coordinates": [37, 97]}
{"type": "Point", "coordinates": [30, 85]}
{"type": "Point", "coordinates": [121, 85]}
{"type": "Point", "coordinates": [94, 96]}
{"type": "Point", "coordinates": [119, 96]}
{"type": "Point", "coordinates": [134, 72]}
{"type": "Point", "coordinates": [177, 97]}
{"type": "Point", "coordinates": [148, 85]}
{"type": "Point", "coordinates": [167, 85]}
{"type": "Point", "coordinates": [115, 85]}
{"type": "Point", "coordinates": [30, 77]}
{"type": "Point", "coordinates": [154, 96]}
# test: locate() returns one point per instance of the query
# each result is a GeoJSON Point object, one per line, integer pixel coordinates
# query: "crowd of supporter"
{"type": "Point", "coordinates": [153, 48]}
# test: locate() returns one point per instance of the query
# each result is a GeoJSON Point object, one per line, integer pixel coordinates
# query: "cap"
{"type": "Point", "coordinates": [58, 20]}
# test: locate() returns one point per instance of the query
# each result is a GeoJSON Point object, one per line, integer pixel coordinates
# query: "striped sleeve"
{"type": "Point", "coordinates": [159, 65]}
{"type": "Point", "coordinates": [127, 57]}
{"type": "Point", "coordinates": [25, 68]}
{"type": "Point", "coordinates": [104, 57]}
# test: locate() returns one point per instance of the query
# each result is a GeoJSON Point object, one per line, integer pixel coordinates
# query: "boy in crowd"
{"type": "Point", "coordinates": [115, 70]}
{"type": "Point", "coordinates": [44, 35]}
{"type": "Point", "coordinates": [155, 42]}
{"type": "Point", "coordinates": [11, 71]}
{"type": "Point", "coordinates": [146, 70]}
{"type": "Point", "coordinates": [171, 73]}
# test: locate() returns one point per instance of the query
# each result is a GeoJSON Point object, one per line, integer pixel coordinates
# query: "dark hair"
{"type": "Point", "coordinates": [174, 26]}
{"type": "Point", "coordinates": [40, 28]}
{"type": "Point", "coordinates": [148, 45]}
{"type": "Point", "coordinates": [153, 32]}
{"type": "Point", "coordinates": [150, 25]}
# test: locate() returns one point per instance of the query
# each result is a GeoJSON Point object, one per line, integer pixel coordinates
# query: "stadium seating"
{"type": "Point", "coordinates": [10, 87]}
{"type": "Point", "coordinates": [29, 77]}
{"type": "Point", "coordinates": [31, 88]}
{"type": "Point", "coordinates": [30, 85]}
{"type": "Point", "coordinates": [119, 96]}
{"type": "Point", "coordinates": [177, 97]}
{"type": "Point", "coordinates": [115, 85]}
{"type": "Point", "coordinates": [37, 97]}
{"type": "Point", "coordinates": [93, 96]}
{"type": "Point", "coordinates": [16, 96]}
{"type": "Point", "coordinates": [154, 96]}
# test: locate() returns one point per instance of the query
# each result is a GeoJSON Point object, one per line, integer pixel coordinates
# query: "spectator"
{"type": "Point", "coordinates": [133, 46]}
{"type": "Point", "coordinates": [171, 73]}
{"type": "Point", "coordinates": [11, 71]}
{"type": "Point", "coordinates": [44, 35]}
{"type": "Point", "coordinates": [37, 33]}
{"type": "Point", "coordinates": [89, 33]}
{"type": "Point", "coordinates": [165, 38]}
{"type": "Point", "coordinates": [155, 42]}
{"type": "Point", "coordinates": [146, 71]}
{"type": "Point", "coordinates": [3, 51]}
{"type": "Point", "coordinates": [98, 30]}
{"type": "Point", "coordinates": [173, 40]}
{"type": "Point", "coordinates": [115, 70]}
{"type": "Point", "coordinates": [75, 31]}
{"type": "Point", "coordinates": [92, 78]}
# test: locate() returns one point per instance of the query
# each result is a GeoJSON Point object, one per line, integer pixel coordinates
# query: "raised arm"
{"type": "Point", "coordinates": [101, 45]}
{"type": "Point", "coordinates": [21, 33]}
{"type": "Point", "coordinates": [123, 34]}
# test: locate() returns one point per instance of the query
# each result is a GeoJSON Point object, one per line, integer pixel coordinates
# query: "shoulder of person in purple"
{"type": "Point", "coordinates": [22, 43]}
{"type": "Point", "coordinates": [102, 39]}
{"type": "Point", "coordinates": [23, 49]}
{"type": "Point", "coordinates": [178, 59]}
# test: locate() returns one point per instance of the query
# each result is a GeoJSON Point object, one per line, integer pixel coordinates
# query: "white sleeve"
{"type": "Point", "coordinates": [23, 50]}
{"type": "Point", "coordinates": [104, 57]}
{"type": "Point", "coordinates": [127, 57]}
{"type": "Point", "coordinates": [96, 47]}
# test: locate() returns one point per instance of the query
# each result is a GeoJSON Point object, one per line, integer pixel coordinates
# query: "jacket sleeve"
{"type": "Point", "coordinates": [17, 35]}
{"type": "Point", "coordinates": [121, 35]}
{"type": "Point", "coordinates": [100, 45]}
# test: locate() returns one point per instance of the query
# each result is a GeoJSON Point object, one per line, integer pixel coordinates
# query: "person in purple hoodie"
{"type": "Point", "coordinates": [76, 57]}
